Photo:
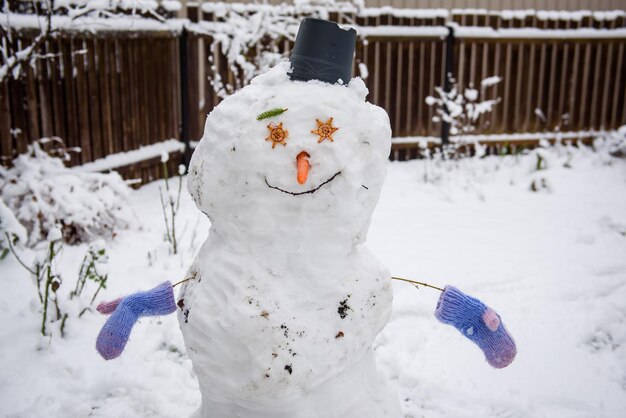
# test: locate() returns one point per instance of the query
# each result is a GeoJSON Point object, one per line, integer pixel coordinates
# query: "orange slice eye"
{"type": "Point", "coordinates": [325, 130]}
{"type": "Point", "coordinates": [277, 134]}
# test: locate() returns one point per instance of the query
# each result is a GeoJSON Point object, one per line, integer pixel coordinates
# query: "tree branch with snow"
{"type": "Point", "coordinates": [463, 109]}
{"type": "Point", "coordinates": [47, 18]}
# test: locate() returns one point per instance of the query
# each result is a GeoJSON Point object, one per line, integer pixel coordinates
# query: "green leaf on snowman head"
{"type": "Point", "coordinates": [271, 113]}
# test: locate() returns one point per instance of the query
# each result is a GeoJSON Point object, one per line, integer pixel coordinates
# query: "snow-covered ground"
{"type": "Point", "coordinates": [552, 262]}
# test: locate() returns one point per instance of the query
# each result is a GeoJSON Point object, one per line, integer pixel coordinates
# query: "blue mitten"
{"type": "Point", "coordinates": [479, 323]}
{"type": "Point", "coordinates": [126, 311]}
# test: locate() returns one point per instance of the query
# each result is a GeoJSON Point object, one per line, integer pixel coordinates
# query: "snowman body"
{"type": "Point", "coordinates": [284, 299]}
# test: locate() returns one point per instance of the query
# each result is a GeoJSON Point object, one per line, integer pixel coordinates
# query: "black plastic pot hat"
{"type": "Point", "coordinates": [323, 51]}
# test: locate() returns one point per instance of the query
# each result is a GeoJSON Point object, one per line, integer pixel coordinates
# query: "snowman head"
{"type": "Point", "coordinates": [310, 174]}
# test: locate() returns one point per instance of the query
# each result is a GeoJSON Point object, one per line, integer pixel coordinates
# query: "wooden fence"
{"type": "Point", "coordinates": [111, 92]}
{"type": "Point", "coordinates": [105, 93]}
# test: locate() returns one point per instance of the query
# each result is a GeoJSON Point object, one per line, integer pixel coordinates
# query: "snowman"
{"type": "Point", "coordinates": [284, 300]}
{"type": "Point", "coordinates": [281, 307]}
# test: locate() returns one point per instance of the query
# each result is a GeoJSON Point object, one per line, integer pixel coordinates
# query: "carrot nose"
{"type": "Point", "coordinates": [302, 162]}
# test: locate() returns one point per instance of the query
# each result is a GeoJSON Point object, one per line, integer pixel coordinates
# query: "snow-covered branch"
{"type": "Point", "coordinates": [46, 18]}
{"type": "Point", "coordinates": [462, 109]}
{"type": "Point", "coordinates": [251, 36]}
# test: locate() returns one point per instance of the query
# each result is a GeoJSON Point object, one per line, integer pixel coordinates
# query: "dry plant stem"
{"type": "Point", "coordinates": [36, 272]}
{"type": "Point", "coordinates": [393, 278]}
{"type": "Point", "coordinates": [47, 290]}
{"type": "Point", "coordinates": [19, 260]}
{"type": "Point", "coordinates": [96, 294]}
{"type": "Point", "coordinates": [167, 228]}
{"type": "Point", "coordinates": [181, 282]}
{"type": "Point", "coordinates": [417, 283]}
{"type": "Point", "coordinates": [174, 205]}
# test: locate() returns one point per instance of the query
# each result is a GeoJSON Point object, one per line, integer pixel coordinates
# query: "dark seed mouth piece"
{"type": "Point", "coordinates": [305, 192]}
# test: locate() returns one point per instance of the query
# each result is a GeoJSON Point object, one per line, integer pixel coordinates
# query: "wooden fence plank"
{"type": "Point", "coordinates": [595, 89]}
{"type": "Point", "coordinates": [530, 89]}
{"type": "Point", "coordinates": [423, 123]}
{"type": "Point", "coordinates": [175, 83]}
{"type": "Point", "coordinates": [193, 95]}
{"type": "Point", "coordinates": [399, 89]}
{"type": "Point", "coordinates": [32, 105]}
{"type": "Point", "coordinates": [617, 91]}
{"type": "Point", "coordinates": [520, 91]}
{"type": "Point", "coordinates": [410, 82]}
{"type": "Point", "coordinates": [145, 99]}
{"type": "Point", "coordinates": [114, 67]}
{"type": "Point", "coordinates": [95, 97]}
{"type": "Point", "coordinates": [124, 94]}
{"type": "Point", "coordinates": [43, 92]}
{"type": "Point", "coordinates": [58, 102]}
{"type": "Point", "coordinates": [69, 93]}
{"type": "Point", "coordinates": [432, 82]}
{"type": "Point", "coordinates": [551, 116]}
{"type": "Point", "coordinates": [508, 98]}
{"type": "Point", "coordinates": [583, 119]}
{"type": "Point", "coordinates": [605, 90]}
{"type": "Point", "coordinates": [541, 90]}
{"type": "Point", "coordinates": [574, 110]}
{"type": "Point", "coordinates": [562, 83]}
{"type": "Point", "coordinates": [104, 69]}
{"type": "Point", "coordinates": [134, 93]}
{"type": "Point", "coordinates": [6, 139]}
{"type": "Point", "coordinates": [82, 99]}
{"type": "Point", "coordinates": [18, 114]}
{"type": "Point", "coordinates": [497, 88]}
{"type": "Point", "coordinates": [160, 115]}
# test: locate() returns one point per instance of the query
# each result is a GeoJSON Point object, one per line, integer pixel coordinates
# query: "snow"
{"type": "Point", "coordinates": [363, 71]}
{"type": "Point", "coordinates": [490, 81]}
{"type": "Point", "coordinates": [10, 225]}
{"type": "Point", "coordinates": [121, 159]}
{"type": "Point", "coordinates": [408, 31]}
{"type": "Point", "coordinates": [471, 94]}
{"type": "Point", "coordinates": [171, 5]}
{"type": "Point", "coordinates": [404, 12]}
{"type": "Point", "coordinates": [44, 195]}
{"type": "Point", "coordinates": [484, 138]}
{"type": "Point", "coordinates": [536, 33]}
{"type": "Point", "coordinates": [521, 14]}
{"type": "Point", "coordinates": [92, 24]}
{"type": "Point", "coordinates": [307, 7]}
{"type": "Point", "coordinates": [550, 263]}
{"type": "Point", "coordinates": [54, 234]}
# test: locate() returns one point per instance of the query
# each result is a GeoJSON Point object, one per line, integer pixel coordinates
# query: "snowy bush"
{"type": "Point", "coordinates": [43, 193]}
{"type": "Point", "coordinates": [12, 233]}
{"type": "Point", "coordinates": [462, 109]}
{"type": "Point", "coordinates": [41, 264]}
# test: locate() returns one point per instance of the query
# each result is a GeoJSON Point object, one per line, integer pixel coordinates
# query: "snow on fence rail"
{"type": "Point", "coordinates": [114, 91]}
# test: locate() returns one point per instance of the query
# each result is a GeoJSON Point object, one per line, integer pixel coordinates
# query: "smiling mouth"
{"type": "Point", "coordinates": [306, 191]}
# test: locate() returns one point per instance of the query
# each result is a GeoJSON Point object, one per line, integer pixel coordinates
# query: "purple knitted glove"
{"type": "Point", "coordinates": [479, 323]}
{"type": "Point", "coordinates": [126, 311]}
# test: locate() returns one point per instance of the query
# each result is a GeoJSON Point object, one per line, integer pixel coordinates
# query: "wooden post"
{"type": "Point", "coordinates": [184, 97]}
{"type": "Point", "coordinates": [447, 84]}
